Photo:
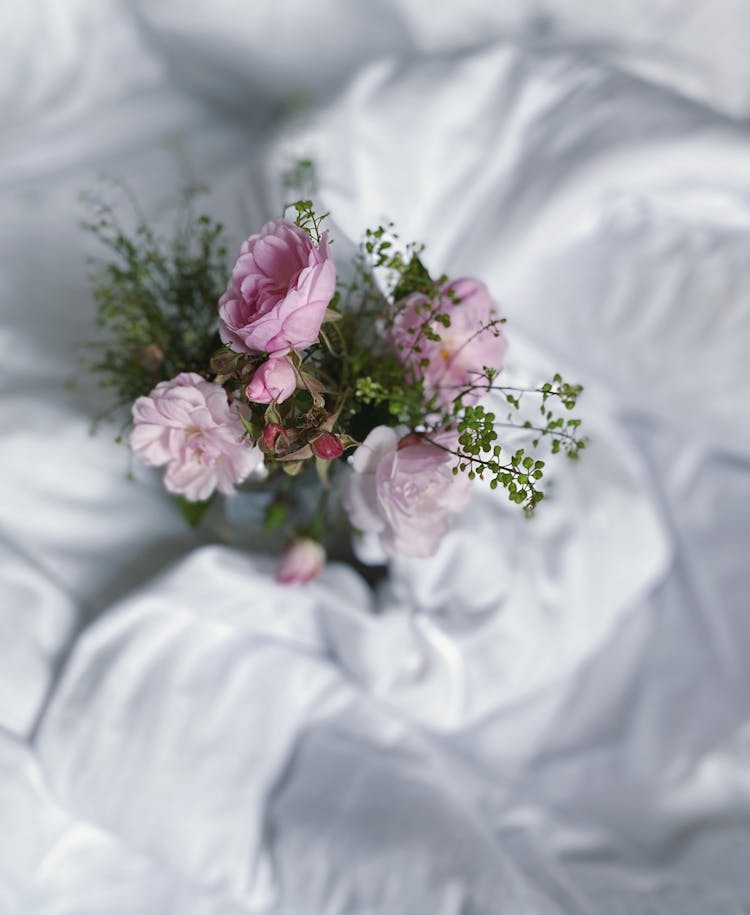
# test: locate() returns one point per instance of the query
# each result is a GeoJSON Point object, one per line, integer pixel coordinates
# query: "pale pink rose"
{"type": "Point", "coordinates": [457, 360]}
{"type": "Point", "coordinates": [280, 288]}
{"type": "Point", "coordinates": [404, 490]}
{"type": "Point", "coordinates": [189, 425]}
{"type": "Point", "coordinates": [273, 382]}
{"type": "Point", "coordinates": [301, 562]}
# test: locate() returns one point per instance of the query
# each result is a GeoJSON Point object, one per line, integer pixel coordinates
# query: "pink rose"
{"type": "Point", "coordinates": [273, 382]}
{"type": "Point", "coordinates": [280, 288]}
{"type": "Point", "coordinates": [189, 425]}
{"type": "Point", "coordinates": [403, 491]}
{"type": "Point", "coordinates": [457, 359]}
{"type": "Point", "coordinates": [301, 562]}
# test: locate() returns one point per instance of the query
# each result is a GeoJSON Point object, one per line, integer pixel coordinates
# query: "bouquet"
{"type": "Point", "coordinates": [278, 374]}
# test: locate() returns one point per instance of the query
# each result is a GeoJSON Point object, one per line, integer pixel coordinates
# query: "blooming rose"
{"type": "Point", "coordinates": [403, 491]}
{"type": "Point", "coordinates": [457, 359]}
{"type": "Point", "coordinates": [189, 425]}
{"type": "Point", "coordinates": [273, 382]}
{"type": "Point", "coordinates": [301, 562]}
{"type": "Point", "coordinates": [280, 288]}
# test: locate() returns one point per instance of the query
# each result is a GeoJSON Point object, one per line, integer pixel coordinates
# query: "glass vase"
{"type": "Point", "coordinates": [267, 512]}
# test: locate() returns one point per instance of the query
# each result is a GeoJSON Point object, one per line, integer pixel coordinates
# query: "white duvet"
{"type": "Point", "coordinates": [549, 716]}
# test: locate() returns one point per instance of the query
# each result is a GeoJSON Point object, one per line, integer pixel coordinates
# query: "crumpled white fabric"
{"type": "Point", "coordinates": [204, 724]}
{"type": "Point", "coordinates": [550, 716]}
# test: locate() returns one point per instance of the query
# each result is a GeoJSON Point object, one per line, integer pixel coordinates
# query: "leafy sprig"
{"type": "Point", "coordinates": [307, 219]}
{"type": "Point", "coordinates": [400, 392]}
{"type": "Point", "coordinates": [155, 298]}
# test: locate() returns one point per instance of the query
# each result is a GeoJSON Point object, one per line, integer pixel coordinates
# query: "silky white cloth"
{"type": "Point", "coordinates": [548, 716]}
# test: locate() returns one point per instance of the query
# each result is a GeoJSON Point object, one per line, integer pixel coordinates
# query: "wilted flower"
{"type": "Point", "coordinates": [269, 436]}
{"type": "Point", "coordinates": [403, 490]}
{"type": "Point", "coordinates": [471, 341]}
{"type": "Point", "coordinates": [189, 425]}
{"type": "Point", "coordinates": [280, 288]}
{"type": "Point", "coordinates": [301, 562]}
{"type": "Point", "coordinates": [273, 382]}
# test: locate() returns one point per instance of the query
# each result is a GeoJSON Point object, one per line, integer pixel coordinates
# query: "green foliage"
{"type": "Point", "coordinates": [479, 453]}
{"type": "Point", "coordinates": [275, 516]}
{"type": "Point", "coordinates": [156, 299]}
{"type": "Point", "coordinates": [413, 277]}
{"type": "Point", "coordinates": [306, 218]}
{"type": "Point", "coordinates": [300, 179]}
{"type": "Point", "coordinates": [379, 388]}
{"type": "Point", "coordinates": [193, 512]}
{"type": "Point", "coordinates": [376, 387]}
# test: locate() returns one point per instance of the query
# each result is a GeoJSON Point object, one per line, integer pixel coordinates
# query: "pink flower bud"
{"type": "Point", "coordinates": [269, 435]}
{"type": "Point", "coordinates": [301, 562]}
{"type": "Point", "coordinates": [273, 382]}
{"type": "Point", "coordinates": [327, 447]}
{"type": "Point", "coordinates": [152, 357]}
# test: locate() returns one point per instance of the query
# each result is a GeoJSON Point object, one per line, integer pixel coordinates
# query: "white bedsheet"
{"type": "Point", "coordinates": [548, 717]}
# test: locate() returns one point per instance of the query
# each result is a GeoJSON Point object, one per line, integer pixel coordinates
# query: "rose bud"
{"type": "Point", "coordinates": [327, 447]}
{"type": "Point", "coordinates": [269, 435]}
{"type": "Point", "coordinates": [301, 562]}
{"type": "Point", "coordinates": [151, 357]}
{"type": "Point", "coordinates": [273, 382]}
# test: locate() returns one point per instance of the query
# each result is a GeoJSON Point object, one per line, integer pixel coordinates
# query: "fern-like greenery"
{"type": "Point", "coordinates": [156, 298]}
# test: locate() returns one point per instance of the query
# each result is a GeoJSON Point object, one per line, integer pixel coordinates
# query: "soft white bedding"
{"type": "Point", "coordinates": [548, 717]}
